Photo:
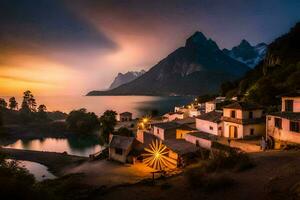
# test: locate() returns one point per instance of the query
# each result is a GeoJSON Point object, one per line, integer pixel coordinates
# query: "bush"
{"type": "Point", "coordinates": [233, 160]}
{"type": "Point", "coordinates": [81, 121]}
{"type": "Point", "coordinates": [199, 179]}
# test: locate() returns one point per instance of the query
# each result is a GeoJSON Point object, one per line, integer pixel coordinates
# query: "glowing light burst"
{"type": "Point", "coordinates": [156, 156]}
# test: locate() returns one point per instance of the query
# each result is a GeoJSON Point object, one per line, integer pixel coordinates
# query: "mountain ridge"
{"type": "Point", "coordinates": [199, 67]}
{"type": "Point", "coordinates": [123, 78]}
{"type": "Point", "coordinates": [246, 53]}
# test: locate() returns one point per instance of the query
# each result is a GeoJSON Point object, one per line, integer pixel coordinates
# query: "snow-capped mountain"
{"type": "Point", "coordinates": [248, 54]}
{"type": "Point", "coordinates": [125, 78]}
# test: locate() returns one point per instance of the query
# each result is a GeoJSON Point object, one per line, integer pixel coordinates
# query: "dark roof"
{"type": "Point", "coordinates": [291, 94]}
{"type": "Point", "coordinates": [204, 135]}
{"type": "Point", "coordinates": [173, 113]}
{"type": "Point", "coordinates": [212, 116]}
{"type": "Point", "coordinates": [188, 120]}
{"type": "Point", "coordinates": [180, 146]}
{"type": "Point", "coordinates": [186, 127]}
{"type": "Point", "coordinates": [242, 105]}
{"type": "Point", "coordinates": [287, 115]}
{"type": "Point", "coordinates": [167, 125]}
{"type": "Point", "coordinates": [121, 142]}
{"type": "Point", "coordinates": [126, 113]}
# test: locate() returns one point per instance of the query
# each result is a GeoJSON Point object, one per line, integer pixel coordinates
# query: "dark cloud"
{"type": "Point", "coordinates": [46, 24]}
{"type": "Point", "coordinates": [227, 21]}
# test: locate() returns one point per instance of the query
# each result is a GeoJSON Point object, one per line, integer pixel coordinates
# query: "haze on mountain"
{"type": "Point", "coordinates": [197, 68]}
{"type": "Point", "coordinates": [248, 54]}
{"type": "Point", "coordinates": [121, 78]}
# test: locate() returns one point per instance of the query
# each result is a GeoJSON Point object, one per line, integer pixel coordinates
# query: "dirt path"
{"type": "Point", "coordinates": [56, 162]}
{"type": "Point", "coordinates": [272, 178]}
{"type": "Point", "coordinates": [110, 173]}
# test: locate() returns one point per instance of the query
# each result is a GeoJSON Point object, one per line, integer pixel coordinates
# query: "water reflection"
{"type": "Point", "coordinates": [39, 171]}
{"type": "Point", "coordinates": [74, 146]}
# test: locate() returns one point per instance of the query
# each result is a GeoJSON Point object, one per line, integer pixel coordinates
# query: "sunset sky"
{"type": "Point", "coordinates": [56, 47]}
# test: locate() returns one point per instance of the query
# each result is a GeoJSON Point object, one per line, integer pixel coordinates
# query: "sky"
{"type": "Point", "coordinates": [69, 47]}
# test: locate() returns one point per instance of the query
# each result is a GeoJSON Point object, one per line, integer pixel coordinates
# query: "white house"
{"type": "Point", "coordinates": [210, 123]}
{"type": "Point", "coordinates": [210, 106]}
{"type": "Point", "coordinates": [201, 139]}
{"type": "Point", "coordinates": [285, 125]}
{"type": "Point", "coordinates": [243, 119]}
{"type": "Point", "coordinates": [171, 116]}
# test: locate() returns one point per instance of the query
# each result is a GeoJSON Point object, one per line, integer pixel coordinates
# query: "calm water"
{"type": "Point", "coordinates": [39, 171]}
{"type": "Point", "coordinates": [138, 105]}
{"type": "Point", "coordinates": [75, 146]}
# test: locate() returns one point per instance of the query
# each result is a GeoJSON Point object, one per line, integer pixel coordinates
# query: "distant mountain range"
{"type": "Point", "coordinates": [121, 78]}
{"type": "Point", "coordinates": [197, 68]}
{"type": "Point", "coordinates": [247, 54]}
{"type": "Point", "coordinates": [277, 74]}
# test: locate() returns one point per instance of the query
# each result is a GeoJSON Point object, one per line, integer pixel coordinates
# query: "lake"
{"type": "Point", "coordinates": [75, 146]}
{"type": "Point", "coordinates": [39, 171]}
{"type": "Point", "coordinates": [138, 105]}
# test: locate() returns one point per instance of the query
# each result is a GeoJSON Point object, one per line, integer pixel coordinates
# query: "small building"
{"type": "Point", "coordinates": [285, 125]}
{"type": "Point", "coordinates": [120, 147]}
{"type": "Point", "coordinates": [125, 116]}
{"type": "Point", "coordinates": [194, 112]}
{"type": "Point", "coordinates": [210, 122]}
{"type": "Point", "coordinates": [243, 119]}
{"type": "Point", "coordinates": [171, 116]}
{"type": "Point", "coordinates": [172, 130]}
{"type": "Point", "coordinates": [181, 151]}
{"type": "Point", "coordinates": [201, 139]}
{"type": "Point", "coordinates": [210, 106]}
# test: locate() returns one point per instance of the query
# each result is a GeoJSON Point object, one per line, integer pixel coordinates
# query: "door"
{"type": "Point", "coordinates": [233, 132]}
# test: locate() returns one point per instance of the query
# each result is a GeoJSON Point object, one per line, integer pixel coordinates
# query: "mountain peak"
{"type": "Point", "coordinates": [245, 43]}
{"type": "Point", "coordinates": [196, 39]}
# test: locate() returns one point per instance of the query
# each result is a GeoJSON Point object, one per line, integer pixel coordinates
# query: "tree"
{"type": "Point", "coordinates": [42, 113]}
{"type": "Point", "coordinates": [123, 131]}
{"type": "Point", "coordinates": [29, 102]}
{"type": "Point", "coordinates": [42, 108]}
{"type": "Point", "coordinates": [108, 122]}
{"type": "Point", "coordinates": [3, 103]}
{"type": "Point", "coordinates": [13, 104]}
{"type": "Point", "coordinates": [81, 121]}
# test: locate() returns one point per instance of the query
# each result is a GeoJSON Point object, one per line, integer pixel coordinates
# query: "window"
{"type": "Point", "coordinates": [289, 105]}
{"type": "Point", "coordinates": [251, 131]}
{"type": "Point", "coordinates": [220, 128]}
{"type": "Point", "coordinates": [119, 151]}
{"type": "Point", "coordinates": [211, 128]}
{"type": "Point", "coordinates": [233, 114]}
{"type": "Point", "coordinates": [157, 131]}
{"type": "Point", "coordinates": [278, 122]}
{"type": "Point", "coordinates": [294, 126]}
{"type": "Point", "coordinates": [250, 115]}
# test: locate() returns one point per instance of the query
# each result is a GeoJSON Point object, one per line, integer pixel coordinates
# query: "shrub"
{"type": "Point", "coordinates": [234, 160]}
{"type": "Point", "coordinates": [199, 179]}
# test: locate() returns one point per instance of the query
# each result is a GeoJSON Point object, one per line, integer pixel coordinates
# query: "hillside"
{"type": "Point", "coordinates": [278, 73]}
{"type": "Point", "coordinates": [197, 68]}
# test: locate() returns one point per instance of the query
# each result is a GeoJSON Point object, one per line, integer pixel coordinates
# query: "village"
{"type": "Point", "coordinates": [176, 139]}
